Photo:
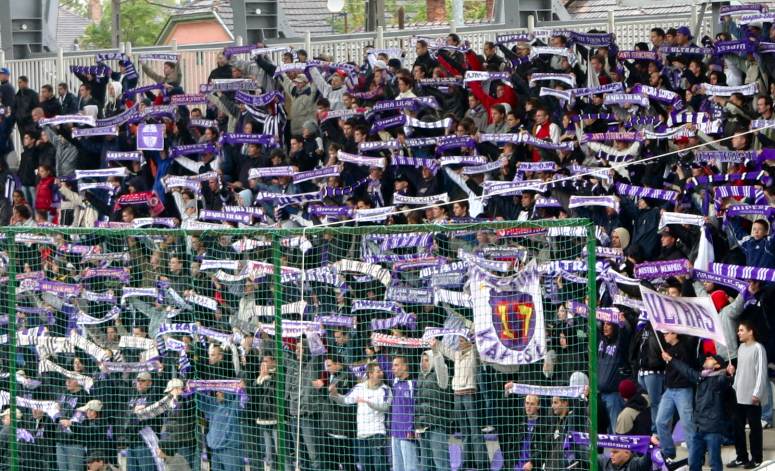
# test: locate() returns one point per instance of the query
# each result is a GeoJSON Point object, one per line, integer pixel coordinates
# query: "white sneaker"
{"type": "Point", "coordinates": [488, 429]}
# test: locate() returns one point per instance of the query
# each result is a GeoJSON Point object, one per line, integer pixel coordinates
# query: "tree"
{"type": "Point", "coordinates": [75, 6]}
{"type": "Point", "coordinates": [141, 23]}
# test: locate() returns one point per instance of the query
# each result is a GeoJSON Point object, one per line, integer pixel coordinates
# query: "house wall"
{"type": "Point", "coordinates": [197, 32]}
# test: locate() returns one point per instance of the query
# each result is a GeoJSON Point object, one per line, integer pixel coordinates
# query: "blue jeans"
{"type": "Point", "coordinates": [309, 442]}
{"type": "Point", "coordinates": [227, 459]}
{"type": "Point", "coordinates": [139, 459]}
{"type": "Point", "coordinates": [701, 442]}
{"type": "Point", "coordinates": [404, 454]}
{"type": "Point", "coordinates": [767, 403]}
{"type": "Point", "coordinates": [192, 456]}
{"type": "Point", "coordinates": [613, 406]}
{"type": "Point", "coordinates": [675, 399]}
{"type": "Point", "coordinates": [71, 457]}
{"type": "Point", "coordinates": [474, 450]}
{"type": "Point", "coordinates": [371, 453]}
{"type": "Point", "coordinates": [654, 384]}
{"type": "Point", "coordinates": [434, 450]}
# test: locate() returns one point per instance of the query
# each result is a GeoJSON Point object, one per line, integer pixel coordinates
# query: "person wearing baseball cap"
{"type": "Point", "coordinates": [176, 438]}
{"type": "Point", "coordinates": [139, 456]}
{"type": "Point", "coordinates": [92, 430]}
{"type": "Point", "coordinates": [7, 92]}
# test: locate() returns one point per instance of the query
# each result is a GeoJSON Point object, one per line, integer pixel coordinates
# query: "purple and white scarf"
{"type": "Point", "coordinates": [627, 136]}
{"type": "Point", "coordinates": [260, 100]}
{"type": "Point", "coordinates": [757, 18]}
{"type": "Point", "coordinates": [119, 172]}
{"type": "Point", "coordinates": [646, 192]}
{"type": "Point", "coordinates": [569, 79]}
{"type": "Point", "coordinates": [270, 172]}
{"type": "Point", "coordinates": [638, 55]}
{"type": "Point", "coordinates": [736, 156]}
{"type": "Point", "coordinates": [462, 160]}
{"type": "Point", "coordinates": [746, 9]}
{"type": "Point", "coordinates": [416, 162]}
{"type": "Point", "coordinates": [225, 85]}
{"type": "Point", "coordinates": [604, 201]}
{"type": "Point", "coordinates": [225, 216]}
{"type": "Point", "coordinates": [564, 96]}
{"type": "Point", "coordinates": [708, 277]}
{"type": "Point", "coordinates": [659, 94]}
{"type": "Point", "coordinates": [205, 148]}
{"type": "Point", "coordinates": [485, 168]}
{"type": "Point", "coordinates": [548, 391]}
{"type": "Point", "coordinates": [686, 50]}
{"type": "Point", "coordinates": [324, 172]}
{"type": "Point", "coordinates": [100, 69]}
{"type": "Point", "coordinates": [232, 138]}
{"type": "Point", "coordinates": [183, 100]}
{"type": "Point", "coordinates": [554, 51]}
{"type": "Point", "coordinates": [142, 90]}
{"type": "Point", "coordinates": [743, 272]}
{"type": "Point", "coordinates": [159, 57]}
{"type": "Point", "coordinates": [100, 131]}
{"type": "Point", "coordinates": [750, 210]}
{"type": "Point", "coordinates": [662, 269]}
{"type": "Point", "coordinates": [131, 156]}
{"type": "Point", "coordinates": [69, 119]}
{"type": "Point", "coordinates": [400, 199]}
{"type": "Point", "coordinates": [721, 90]}
{"type": "Point", "coordinates": [361, 160]}
{"type": "Point", "coordinates": [626, 99]}
{"type": "Point", "coordinates": [203, 123]}
{"type": "Point", "coordinates": [615, 87]}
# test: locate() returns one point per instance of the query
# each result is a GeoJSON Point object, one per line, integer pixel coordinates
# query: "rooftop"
{"type": "Point", "coordinates": [70, 26]}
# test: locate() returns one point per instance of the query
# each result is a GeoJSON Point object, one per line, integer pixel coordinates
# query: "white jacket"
{"type": "Point", "coordinates": [370, 415]}
{"type": "Point", "coordinates": [466, 362]}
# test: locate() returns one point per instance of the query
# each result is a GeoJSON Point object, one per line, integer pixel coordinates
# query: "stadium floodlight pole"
{"type": "Point", "coordinates": [592, 344]}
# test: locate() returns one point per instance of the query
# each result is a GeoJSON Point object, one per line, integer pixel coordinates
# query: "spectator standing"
{"type": "Point", "coordinates": [678, 396]}
{"type": "Point", "coordinates": [403, 444]}
{"type": "Point", "coordinates": [26, 101]}
{"type": "Point", "coordinates": [373, 398]}
{"type": "Point", "coordinates": [433, 403]}
{"type": "Point", "coordinates": [750, 386]}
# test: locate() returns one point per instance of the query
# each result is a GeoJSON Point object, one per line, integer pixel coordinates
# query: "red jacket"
{"type": "Point", "coordinates": [44, 193]}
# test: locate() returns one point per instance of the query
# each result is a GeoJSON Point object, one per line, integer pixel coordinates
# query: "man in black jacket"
{"type": "Point", "coordinates": [26, 100]}
{"type": "Point", "coordinates": [713, 387]}
{"type": "Point", "coordinates": [677, 396]}
{"type": "Point", "coordinates": [338, 420]}
{"type": "Point", "coordinates": [50, 105]}
{"type": "Point", "coordinates": [524, 444]}
{"type": "Point", "coordinates": [67, 100]}
{"type": "Point", "coordinates": [7, 92]}
{"type": "Point", "coordinates": [647, 361]}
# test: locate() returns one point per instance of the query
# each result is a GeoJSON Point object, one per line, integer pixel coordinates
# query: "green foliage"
{"type": "Point", "coordinates": [141, 23]}
{"type": "Point", "coordinates": [75, 6]}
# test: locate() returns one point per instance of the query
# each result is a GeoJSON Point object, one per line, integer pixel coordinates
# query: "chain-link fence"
{"type": "Point", "coordinates": [424, 347]}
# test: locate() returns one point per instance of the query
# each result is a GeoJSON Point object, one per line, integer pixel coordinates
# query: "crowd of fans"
{"type": "Point", "coordinates": [666, 148]}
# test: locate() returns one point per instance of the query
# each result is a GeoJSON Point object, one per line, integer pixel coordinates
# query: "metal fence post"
{"type": "Point", "coordinates": [238, 40]}
{"type": "Point", "coordinates": [531, 23]}
{"type": "Point", "coordinates": [60, 66]}
{"type": "Point", "coordinates": [592, 336]}
{"type": "Point", "coordinates": [611, 21]}
{"type": "Point", "coordinates": [308, 42]}
{"type": "Point", "coordinates": [2, 58]}
{"type": "Point", "coordinates": [282, 449]}
{"type": "Point", "coordinates": [380, 42]}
